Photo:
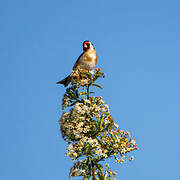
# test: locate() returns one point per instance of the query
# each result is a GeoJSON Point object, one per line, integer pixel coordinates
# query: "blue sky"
{"type": "Point", "coordinates": [138, 46]}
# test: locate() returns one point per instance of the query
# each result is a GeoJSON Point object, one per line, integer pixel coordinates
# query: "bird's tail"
{"type": "Point", "coordinates": [65, 81]}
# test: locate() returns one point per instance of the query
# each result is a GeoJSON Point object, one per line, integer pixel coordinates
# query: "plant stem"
{"type": "Point", "coordinates": [88, 91]}
{"type": "Point", "coordinates": [93, 171]}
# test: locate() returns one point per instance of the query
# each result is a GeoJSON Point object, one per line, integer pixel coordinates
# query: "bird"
{"type": "Point", "coordinates": [86, 61]}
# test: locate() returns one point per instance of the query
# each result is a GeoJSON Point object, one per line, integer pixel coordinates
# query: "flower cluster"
{"type": "Point", "coordinates": [85, 119]}
{"type": "Point", "coordinates": [90, 130]}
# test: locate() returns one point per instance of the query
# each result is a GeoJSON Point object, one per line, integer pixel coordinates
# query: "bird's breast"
{"type": "Point", "coordinates": [89, 60]}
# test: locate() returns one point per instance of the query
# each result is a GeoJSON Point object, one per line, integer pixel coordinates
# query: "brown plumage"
{"type": "Point", "coordinates": [86, 61]}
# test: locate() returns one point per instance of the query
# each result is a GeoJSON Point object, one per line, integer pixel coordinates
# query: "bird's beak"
{"type": "Point", "coordinates": [85, 45]}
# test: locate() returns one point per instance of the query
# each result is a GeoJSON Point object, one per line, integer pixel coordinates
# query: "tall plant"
{"type": "Point", "coordinates": [88, 127]}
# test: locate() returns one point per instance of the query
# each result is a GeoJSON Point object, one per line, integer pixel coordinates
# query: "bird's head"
{"type": "Point", "coordinates": [87, 45]}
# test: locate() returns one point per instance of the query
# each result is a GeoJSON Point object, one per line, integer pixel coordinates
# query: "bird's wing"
{"type": "Point", "coordinates": [77, 62]}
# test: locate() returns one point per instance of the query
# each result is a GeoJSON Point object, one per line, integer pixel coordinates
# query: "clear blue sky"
{"type": "Point", "coordinates": [138, 44]}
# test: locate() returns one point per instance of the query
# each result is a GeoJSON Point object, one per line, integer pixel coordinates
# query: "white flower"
{"type": "Point", "coordinates": [77, 107]}
{"type": "Point", "coordinates": [87, 101]}
{"type": "Point", "coordinates": [77, 136]}
{"type": "Point", "coordinates": [131, 158]}
{"type": "Point", "coordinates": [105, 155]}
{"type": "Point", "coordinates": [116, 145]}
{"type": "Point", "coordinates": [90, 140]}
{"type": "Point", "coordinates": [121, 160]}
{"type": "Point", "coordinates": [80, 124]}
{"type": "Point", "coordinates": [68, 153]}
{"type": "Point", "coordinates": [84, 81]}
{"type": "Point", "coordinates": [103, 109]}
{"type": "Point", "coordinates": [86, 108]}
{"type": "Point", "coordinates": [123, 150]}
{"type": "Point", "coordinates": [106, 106]}
{"type": "Point", "coordinates": [92, 71]}
{"type": "Point", "coordinates": [84, 139]}
{"type": "Point", "coordinates": [107, 121]}
{"type": "Point", "coordinates": [75, 154]}
{"type": "Point", "coordinates": [65, 102]}
{"type": "Point", "coordinates": [116, 125]}
{"type": "Point", "coordinates": [86, 129]}
{"type": "Point", "coordinates": [101, 101]}
{"type": "Point", "coordinates": [82, 171]}
{"type": "Point", "coordinates": [99, 151]}
{"type": "Point", "coordinates": [70, 147]}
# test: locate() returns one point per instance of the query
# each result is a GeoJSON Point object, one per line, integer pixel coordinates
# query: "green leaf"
{"type": "Point", "coordinates": [71, 94]}
{"type": "Point", "coordinates": [86, 178]}
{"type": "Point", "coordinates": [83, 93]}
{"type": "Point", "coordinates": [100, 170]}
{"type": "Point", "coordinates": [88, 74]}
{"type": "Point", "coordinates": [97, 85]}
